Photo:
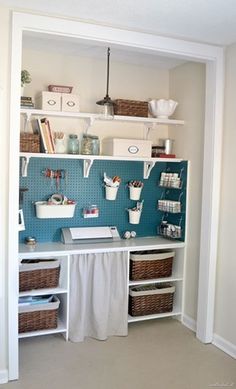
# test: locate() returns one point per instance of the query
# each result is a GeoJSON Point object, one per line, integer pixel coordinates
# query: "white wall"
{"type": "Point", "coordinates": [225, 315]}
{"type": "Point", "coordinates": [187, 86]}
{"type": "Point", "coordinates": [4, 98]}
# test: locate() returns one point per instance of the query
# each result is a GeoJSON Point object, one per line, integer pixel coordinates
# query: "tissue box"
{"type": "Point", "coordinates": [69, 102]}
{"type": "Point", "coordinates": [48, 101]}
{"type": "Point", "coordinates": [127, 147]}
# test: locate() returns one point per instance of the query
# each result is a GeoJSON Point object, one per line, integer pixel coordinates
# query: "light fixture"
{"type": "Point", "coordinates": [107, 103]}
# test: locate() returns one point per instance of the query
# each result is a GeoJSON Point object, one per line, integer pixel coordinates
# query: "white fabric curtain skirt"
{"type": "Point", "coordinates": [98, 296]}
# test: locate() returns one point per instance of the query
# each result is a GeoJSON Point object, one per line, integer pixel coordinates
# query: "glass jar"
{"type": "Point", "coordinates": [90, 145]}
{"type": "Point", "coordinates": [73, 144]}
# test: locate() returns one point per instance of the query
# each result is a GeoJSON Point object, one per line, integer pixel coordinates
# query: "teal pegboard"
{"type": "Point", "coordinates": [87, 191]}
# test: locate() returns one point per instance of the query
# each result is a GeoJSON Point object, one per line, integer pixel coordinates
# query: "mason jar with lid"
{"type": "Point", "coordinates": [90, 145]}
{"type": "Point", "coordinates": [73, 144]}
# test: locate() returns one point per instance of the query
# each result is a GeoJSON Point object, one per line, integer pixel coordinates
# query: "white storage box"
{"type": "Point", "coordinates": [69, 102]}
{"type": "Point", "coordinates": [48, 101]}
{"type": "Point", "coordinates": [127, 147]}
{"type": "Point", "coordinates": [48, 211]}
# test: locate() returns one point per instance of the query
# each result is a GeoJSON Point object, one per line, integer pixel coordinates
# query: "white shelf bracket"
{"type": "Point", "coordinates": [24, 166]}
{"type": "Point", "coordinates": [147, 168]}
{"type": "Point", "coordinates": [26, 120]}
{"type": "Point", "coordinates": [148, 128]}
{"type": "Point", "coordinates": [90, 122]}
{"type": "Point", "coordinates": [87, 166]}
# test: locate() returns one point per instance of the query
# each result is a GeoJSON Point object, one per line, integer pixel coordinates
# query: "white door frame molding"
{"type": "Point", "coordinates": [213, 57]}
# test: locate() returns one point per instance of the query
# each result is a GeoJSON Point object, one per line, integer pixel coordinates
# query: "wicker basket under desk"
{"type": "Point", "coordinates": [151, 264]}
{"type": "Point", "coordinates": [38, 317]}
{"type": "Point", "coordinates": [39, 274]}
{"type": "Point", "coordinates": [151, 299]}
{"type": "Point", "coordinates": [131, 108]}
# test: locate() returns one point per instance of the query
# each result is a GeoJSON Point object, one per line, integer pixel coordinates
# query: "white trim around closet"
{"type": "Point", "coordinates": [213, 57]}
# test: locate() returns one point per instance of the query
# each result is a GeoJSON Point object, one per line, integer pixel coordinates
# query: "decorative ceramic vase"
{"type": "Point", "coordinates": [162, 108]}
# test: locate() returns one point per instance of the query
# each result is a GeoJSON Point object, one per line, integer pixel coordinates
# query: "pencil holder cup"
{"type": "Point", "coordinates": [60, 146]}
{"type": "Point", "coordinates": [134, 193]}
{"type": "Point", "coordinates": [111, 192]}
{"type": "Point", "coordinates": [134, 216]}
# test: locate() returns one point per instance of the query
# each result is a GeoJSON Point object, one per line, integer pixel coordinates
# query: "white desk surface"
{"type": "Point", "coordinates": [60, 249]}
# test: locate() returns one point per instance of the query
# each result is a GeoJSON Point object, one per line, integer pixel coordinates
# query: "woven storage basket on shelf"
{"type": "Point", "coordinates": [151, 264]}
{"type": "Point", "coordinates": [151, 299]}
{"type": "Point", "coordinates": [38, 317]}
{"type": "Point", "coordinates": [38, 274]}
{"type": "Point", "coordinates": [29, 143]}
{"type": "Point", "coordinates": [131, 108]}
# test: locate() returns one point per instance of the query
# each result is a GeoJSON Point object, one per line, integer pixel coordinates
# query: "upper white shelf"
{"type": "Point", "coordinates": [95, 116]}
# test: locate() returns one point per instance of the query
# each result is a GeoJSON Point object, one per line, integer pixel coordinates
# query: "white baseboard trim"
{"type": "Point", "coordinates": [189, 323]}
{"type": "Point", "coordinates": [223, 344]}
{"type": "Point", "coordinates": [3, 376]}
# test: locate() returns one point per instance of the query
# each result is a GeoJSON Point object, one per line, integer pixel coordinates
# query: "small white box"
{"type": "Point", "coordinates": [48, 101]}
{"type": "Point", "coordinates": [127, 147]}
{"type": "Point", "coordinates": [48, 211]}
{"type": "Point", "coordinates": [69, 102]}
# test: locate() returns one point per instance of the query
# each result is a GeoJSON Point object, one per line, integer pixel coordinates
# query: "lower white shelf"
{"type": "Point", "coordinates": [43, 292]}
{"type": "Point", "coordinates": [155, 281]}
{"type": "Point", "coordinates": [175, 312]}
{"type": "Point", "coordinates": [60, 329]}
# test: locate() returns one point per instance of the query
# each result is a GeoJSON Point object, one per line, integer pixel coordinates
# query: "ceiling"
{"type": "Point", "coordinates": [98, 50]}
{"type": "Point", "coordinates": [209, 21]}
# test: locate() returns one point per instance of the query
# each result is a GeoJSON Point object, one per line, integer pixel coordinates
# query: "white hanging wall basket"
{"type": "Point", "coordinates": [48, 211]}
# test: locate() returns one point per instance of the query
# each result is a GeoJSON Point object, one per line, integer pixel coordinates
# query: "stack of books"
{"type": "Point", "coordinates": [26, 102]}
{"type": "Point", "coordinates": [42, 128]}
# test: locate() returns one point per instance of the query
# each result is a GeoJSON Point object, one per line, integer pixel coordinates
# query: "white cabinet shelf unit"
{"type": "Point", "coordinates": [62, 293]}
{"type": "Point", "coordinates": [64, 252]}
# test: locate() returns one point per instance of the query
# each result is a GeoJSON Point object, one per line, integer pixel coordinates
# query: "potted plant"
{"type": "Point", "coordinates": [25, 79]}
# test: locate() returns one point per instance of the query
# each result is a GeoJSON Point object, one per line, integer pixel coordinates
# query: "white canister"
{"type": "Point", "coordinates": [134, 216]}
{"type": "Point", "coordinates": [111, 192]}
{"type": "Point", "coordinates": [134, 193]}
{"type": "Point", "coordinates": [169, 146]}
{"type": "Point", "coordinates": [60, 146]}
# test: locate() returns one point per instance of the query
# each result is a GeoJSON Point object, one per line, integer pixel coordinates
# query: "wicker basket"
{"type": "Point", "coordinates": [38, 317]}
{"type": "Point", "coordinates": [131, 108]}
{"type": "Point", "coordinates": [151, 299]}
{"type": "Point", "coordinates": [38, 274]}
{"type": "Point", "coordinates": [29, 143]}
{"type": "Point", "coordinates": [146, 265]}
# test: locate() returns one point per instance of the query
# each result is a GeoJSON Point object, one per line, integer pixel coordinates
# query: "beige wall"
{"type": "Point", "coordinates": [187, 86]}
{"type": "Point", "coordinates": [4, 85]}
{"type": "Point", "coordinates": [87, 75]}
{"type": "Point", "coordinates": [225, 315]}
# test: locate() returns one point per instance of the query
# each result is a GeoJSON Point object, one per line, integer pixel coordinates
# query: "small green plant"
{"type": "Point", "coordinates": [25, 77]}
